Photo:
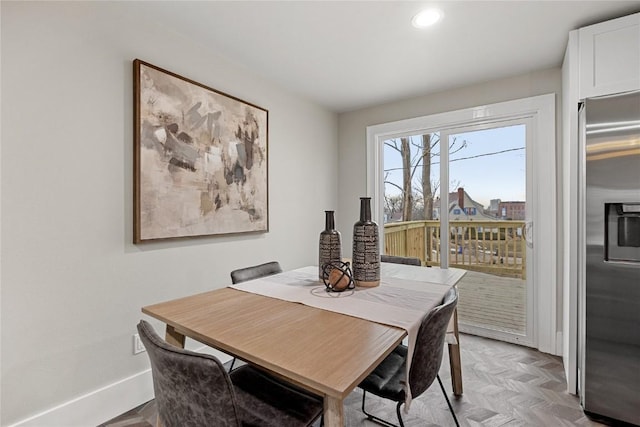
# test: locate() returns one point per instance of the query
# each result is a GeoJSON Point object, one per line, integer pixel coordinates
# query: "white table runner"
{"type": "Point", "coordinates": [398, 301]}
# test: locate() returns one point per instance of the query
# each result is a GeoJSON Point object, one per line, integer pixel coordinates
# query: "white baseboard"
{"type": "Point", "coordinates": [98, 406]}
{"type": "Point", "coordinates": [105, 403]}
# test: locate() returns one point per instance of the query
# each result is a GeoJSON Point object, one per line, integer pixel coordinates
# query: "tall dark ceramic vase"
{"type": "Point", "coordinates": [330, 249]}
{"type": "Point", "coordinates": [366, 249]}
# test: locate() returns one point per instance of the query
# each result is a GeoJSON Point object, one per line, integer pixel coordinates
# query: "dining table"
{"type": "Point", "coordinates": [325, 342]}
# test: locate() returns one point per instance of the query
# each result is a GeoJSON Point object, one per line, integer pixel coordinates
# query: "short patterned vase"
{"type": "Point", "coordinates": [366, 250]}
{"type": "Point", "coordinates": [330, 249]}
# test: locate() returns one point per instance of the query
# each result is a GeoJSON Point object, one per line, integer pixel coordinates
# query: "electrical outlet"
{"type": "Point", "coordinates": [138, 347]}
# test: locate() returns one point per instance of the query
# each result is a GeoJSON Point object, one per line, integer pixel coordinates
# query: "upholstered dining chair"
{"type": "Point", "coordinates": [400, 260]}
{"type": "Point", "coordinates": [451, 337]}
{"type": "Point", "coordinates": [254, 272]}
{"type": "Point", "coordinates": [194, 390]}
{"type": "Point", "coordinates": [388, 377]}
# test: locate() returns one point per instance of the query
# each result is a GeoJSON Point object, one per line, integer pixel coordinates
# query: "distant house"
{"type": "Point", "coordinates": [462, 208]}
{"type": "Point", "coordinates": [512, 210]}
{"type": "Point", "coordinates": [395, 217]}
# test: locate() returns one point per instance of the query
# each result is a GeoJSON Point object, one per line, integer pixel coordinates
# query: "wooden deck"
{"type": "Point", "coordinates": [493, 302]}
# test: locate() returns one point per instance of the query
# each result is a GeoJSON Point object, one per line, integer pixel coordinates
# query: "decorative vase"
{"type": "Point", "coordinates": [366, 252]}
{"type": "Point", "coordinates": [330, 249]}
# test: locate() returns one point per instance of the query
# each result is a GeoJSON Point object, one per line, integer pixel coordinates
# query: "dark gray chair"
{"type": "Point", "coordinates": [400, 260]}
{"type": "Point", "coordinates": [194, 390]}
{"type": "Point", "coordinates": [387, 379]}
{"type": "Point", "coordinates": [255, 271]}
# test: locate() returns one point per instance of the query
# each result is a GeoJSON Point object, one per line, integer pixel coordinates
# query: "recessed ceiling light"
{"type": "Point", "coordinates": [426, 18]}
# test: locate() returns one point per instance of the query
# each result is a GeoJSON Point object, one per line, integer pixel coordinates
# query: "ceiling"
{"type": "Point", "coordinates": [347, 55]}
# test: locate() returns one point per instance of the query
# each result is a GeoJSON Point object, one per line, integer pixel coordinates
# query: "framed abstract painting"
{"type": "Point", "coordinates": [200, 159]}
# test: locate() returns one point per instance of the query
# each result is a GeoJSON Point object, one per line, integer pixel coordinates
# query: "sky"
{"type": "Point", "coordinates": [491, 165]}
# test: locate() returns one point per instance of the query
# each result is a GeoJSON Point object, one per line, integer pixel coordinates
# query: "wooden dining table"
{"type": "Point", "coordinates": [322, 351]}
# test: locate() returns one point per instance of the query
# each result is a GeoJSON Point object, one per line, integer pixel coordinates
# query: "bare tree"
{"type": "Point", "coordinates": [409, 166]}
{"type": "Point", "coordinates": [424, 151]}
{"type": "Point", "coordinates": [392, 204]}
{"type": "Point", "coordinates": [429, 187]}
{"type": "Point", "coordinates": [407, 193]}
{"type": "Point", "coordinates": [427, 190]}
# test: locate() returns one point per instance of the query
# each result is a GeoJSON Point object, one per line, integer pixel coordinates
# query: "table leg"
{"type": "Point", "coordinates": [333, 412]}
{"type": "Point", "coordinates": [454, 359]}
{"type": "Point", "coordinates": [174, 337]}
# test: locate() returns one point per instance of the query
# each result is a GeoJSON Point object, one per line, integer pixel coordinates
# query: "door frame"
{"type": "Point", "coordinates": [540, 110]}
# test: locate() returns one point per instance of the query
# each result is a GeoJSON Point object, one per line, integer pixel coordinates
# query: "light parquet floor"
{"type": "Point", "coordinates": [504, 385]}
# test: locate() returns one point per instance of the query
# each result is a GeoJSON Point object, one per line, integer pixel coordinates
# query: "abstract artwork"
{"type": "Point", "coordinates": [200, 159]}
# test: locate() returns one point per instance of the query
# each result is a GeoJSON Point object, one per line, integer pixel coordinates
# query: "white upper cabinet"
{"type": "Point", "coordinates": [610, 57]}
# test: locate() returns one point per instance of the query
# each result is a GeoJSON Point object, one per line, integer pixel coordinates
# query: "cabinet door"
{"type": "Point", "coordinates": [610, 57]}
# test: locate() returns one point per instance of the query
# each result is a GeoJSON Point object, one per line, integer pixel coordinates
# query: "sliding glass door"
{"type": "Point", "coordinates": [475, 195]}
{"type": "Point", "coordinates": [488, 216]}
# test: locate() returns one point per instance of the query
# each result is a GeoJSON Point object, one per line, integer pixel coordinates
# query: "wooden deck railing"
{"type": "Point", "coordinates": [496, 247]}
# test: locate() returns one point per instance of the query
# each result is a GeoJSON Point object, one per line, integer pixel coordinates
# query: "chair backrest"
{"type": "Point", "coordinates": [191, 389]}
{"type": "Point", "coordinates": [427, 354]}
{"type": "Point", "coordinates": [255, 271]}
{"type": "Point", "coordinates": [400, 260]}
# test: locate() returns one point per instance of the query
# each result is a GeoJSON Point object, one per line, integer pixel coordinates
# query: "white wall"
{"type": "Point", "coordinates": [352, 137]}
{"type": "Point", "coordinates": [72, 281]}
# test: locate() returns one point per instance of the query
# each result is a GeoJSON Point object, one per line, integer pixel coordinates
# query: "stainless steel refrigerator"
{"type": "Point", "coordinates": [609, 278]}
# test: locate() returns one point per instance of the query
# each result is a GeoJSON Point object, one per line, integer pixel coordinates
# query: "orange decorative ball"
{"type": "Point", "coordinates": [337, 276]}
{"type": "Point", "coordinates": [338, 280]}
